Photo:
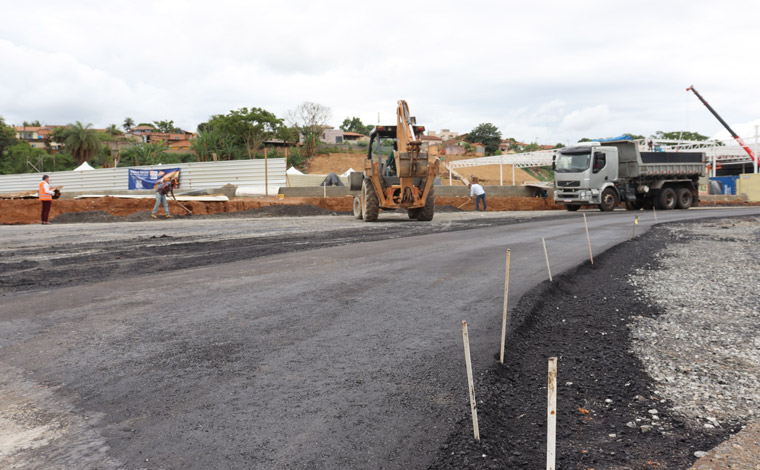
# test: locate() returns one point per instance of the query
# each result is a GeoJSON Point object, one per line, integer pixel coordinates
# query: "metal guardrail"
{"type": "Point", "coordinates": [193, 176]}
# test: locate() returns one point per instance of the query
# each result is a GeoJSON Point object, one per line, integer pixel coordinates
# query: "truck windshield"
{"type": "Point", "coordinates": [573, 163]}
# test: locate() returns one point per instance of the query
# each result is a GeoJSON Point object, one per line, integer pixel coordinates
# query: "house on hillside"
{"type": "Point", "coordinates": [447, 134]}
{"type": "Point", "coordinates": [332, 136]}
{"type": "Point", "coordinates": [429, 141]}
{"type": "Point", "coordinates": [511, 146]}
{"type": "Point", "coordinates": [458, 146]}
{"type": "Point", "coordinates": [354, 137]}
{"type": "Point", "coordinates": [176, 142]}
{"type": "Point", "coordinates": [38, 136]}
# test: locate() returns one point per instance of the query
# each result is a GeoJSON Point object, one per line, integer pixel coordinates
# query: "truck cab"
{"type": "Point", "coordinates": [586, 175]}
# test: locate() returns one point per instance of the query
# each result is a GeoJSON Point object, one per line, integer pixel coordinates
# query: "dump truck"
{"type": "Point", "coordinates": [401, 179]}
{"type": "Point", "coordinates": [605, 174]}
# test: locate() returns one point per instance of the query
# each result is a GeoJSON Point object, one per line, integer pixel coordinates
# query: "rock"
{"type": "Point", "coordinates": [699, 454]}
{"type": "Point", "coordinates": [645, 429]}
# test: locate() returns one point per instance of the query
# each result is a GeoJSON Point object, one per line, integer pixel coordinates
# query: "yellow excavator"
{"type": "Point", "coordinates": [401, 179]}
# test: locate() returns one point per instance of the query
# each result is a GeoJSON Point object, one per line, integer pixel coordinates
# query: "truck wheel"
{"type": "Point", "coordinates": [427, 212]}
{"type": "Point", "coordinates": [684, 198]}
{"type": "Point", "coordinates": [357, 207]}
{"type": "Point", "coordinates": [414, 213]}
{"type": "Point", "coordinates": [667, 199]}
{"type": "Point", "coordinates": [371, 206]}
{"type": "Point", "coordinates": [609, 200]}
{"type": "Point", "coordinates": [572, 208]}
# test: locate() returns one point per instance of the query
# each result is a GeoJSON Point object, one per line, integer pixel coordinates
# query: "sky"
{"type": "Point", "coordinates": [543, 71]}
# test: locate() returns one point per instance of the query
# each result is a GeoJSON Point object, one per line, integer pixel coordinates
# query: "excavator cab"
{"type": "Point", "coordinates": [397, 174]}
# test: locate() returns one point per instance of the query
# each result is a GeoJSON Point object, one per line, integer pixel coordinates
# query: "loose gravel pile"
{"type": "Point", "coordinates": [703, 352]}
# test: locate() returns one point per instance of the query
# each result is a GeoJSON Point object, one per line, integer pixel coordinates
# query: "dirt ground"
{"type": "Point", "coordinates": [113, 209]}
{"type": "Point", "coordinates": [339, 163]}
{"type": "Point", "coordinates": [27, 211]}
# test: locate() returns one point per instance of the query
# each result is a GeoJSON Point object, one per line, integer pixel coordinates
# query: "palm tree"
{"type": "Point", "coordinates": [128, 123]}
{"type": "Point", "coordinates": [113, 130]}
{"type": "Point", "coordinates": [82, 141]}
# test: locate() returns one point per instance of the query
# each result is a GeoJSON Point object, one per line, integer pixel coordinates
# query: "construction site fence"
{"type": "Point", "coordinates": [193, 176]}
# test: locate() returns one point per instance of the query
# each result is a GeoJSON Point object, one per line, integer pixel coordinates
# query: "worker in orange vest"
{"type": "Point", "coordinates": [46, 196]}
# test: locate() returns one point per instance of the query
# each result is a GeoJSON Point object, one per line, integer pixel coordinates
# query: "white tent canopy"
{"type": "Point", "coordinates": [348, 172]}
{"type": "Point", "coordinates": [293, 171]}
{"type": "Point", "coordinates": [84, 166]}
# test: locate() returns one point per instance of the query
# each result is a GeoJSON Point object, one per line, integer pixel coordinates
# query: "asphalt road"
{"type": "Point", "coordinates": [341, 357]}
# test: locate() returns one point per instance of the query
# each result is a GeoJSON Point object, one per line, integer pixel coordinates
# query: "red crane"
{"type": "Point", "coordinates": [730, 131]}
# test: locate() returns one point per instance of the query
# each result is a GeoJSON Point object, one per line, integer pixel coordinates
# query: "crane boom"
{"type": "Point", "coordinates": [728, 128]}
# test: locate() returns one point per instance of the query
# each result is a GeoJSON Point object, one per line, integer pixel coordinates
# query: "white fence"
{"type": "Point", "coordinates": [193, 176]}
{"type": "Point", "coordinates": [519, 160]}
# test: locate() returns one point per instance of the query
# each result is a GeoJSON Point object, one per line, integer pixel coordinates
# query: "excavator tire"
{"type": "Point", "coordinates": [427, 212]}
{"type": "Point", "coordinates": [371, 206]}
{"type": "Point", "coordinates": [414, 213]}
{"type": "Point", "coordinates": [358, 207]}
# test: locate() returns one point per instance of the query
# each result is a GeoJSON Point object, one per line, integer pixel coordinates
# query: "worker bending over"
{"type": "Point", "coordinates": [480, 195]}
{"type": "Point", "coordinates": [163, 189]}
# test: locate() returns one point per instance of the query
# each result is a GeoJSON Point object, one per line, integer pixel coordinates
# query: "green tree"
{"type": "Point", "coordinates": [21, 157]}
{"type": "Point", "coordinates": [680, 135]}
{"type": "Point", "coordinates": [206, 143]}
{"type": "Point", "coordinates": [559, 145]}
{"type": "Point", "coordinates": [252, 127]}
{"type": "Point", "coordinates": [165, 126]}
{"type": "Point", "coordinates": [486, 134]}
{"type": "Point", "coordinates": [82, 141]}
{"type": "Point", "coordinates": [311, 120]}
{"type": "Point", "coordinates": [113, 130]}
{"type": "Point", "coordinates": [634, 136]}
{"type": "Point", "coordinates": [35, 123]}
{"type": "Point", "coordinates": [143, 154]}
{"type": "Point", "coordinates": [355, 124]}
{"type": "Point", "coordinates": [7, 136]}
{"type": "Point", "coordinates": [148, 124]}
{"type": "Point", "coordinates": [128, 124]}
{"type": "Point", "coordinates": [585, 139]}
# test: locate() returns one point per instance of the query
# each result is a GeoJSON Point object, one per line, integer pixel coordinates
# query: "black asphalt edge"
{"type": "Point", "coordinates": [577, 318]}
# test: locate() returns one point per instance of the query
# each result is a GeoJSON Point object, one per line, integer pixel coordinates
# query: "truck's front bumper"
{"type": "Point", "coordinates": [577, 196]}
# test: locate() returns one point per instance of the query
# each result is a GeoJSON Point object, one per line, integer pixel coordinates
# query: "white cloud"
{"type": "Point", "coordinates": [585, 119]}
{"type": "Point", "coordinates": [535, 71]}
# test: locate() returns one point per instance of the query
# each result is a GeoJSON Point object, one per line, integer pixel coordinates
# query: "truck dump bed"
{"type": "Point", "coordinates": [634, 164]}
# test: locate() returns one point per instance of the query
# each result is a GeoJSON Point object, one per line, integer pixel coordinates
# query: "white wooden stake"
{"type": "Point", "coordinates": [471, 386]}
{"type": "Point", "coordinates": [654, 209]}
{"type": "Point", "coordinates": [588, 238]}
{"type": "Point", "coordinates": [546, 254]}
{"type": "Point", "coordinates": [324, 191]}
{"type": "Point", "coordinates": [501, 165]}
{"type": "Point", "coordinates": [635, 223]}
{"type": "Point", "coordinates": [513, 174]}
{"type": "Point", "coordinates": [504, 312]}
{"type": "Point", "coordinates": [551, 415]}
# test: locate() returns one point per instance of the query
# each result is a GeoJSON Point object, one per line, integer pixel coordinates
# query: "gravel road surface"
{"type": "Point", "coordinates": [297, 356]}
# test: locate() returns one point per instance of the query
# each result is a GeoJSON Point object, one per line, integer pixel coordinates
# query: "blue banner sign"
{"type": "Point", "coordinates": [150, 179]}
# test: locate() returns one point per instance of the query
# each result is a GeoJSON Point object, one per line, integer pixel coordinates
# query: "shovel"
{"type": "Point", "coordinates": [180, 205]}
